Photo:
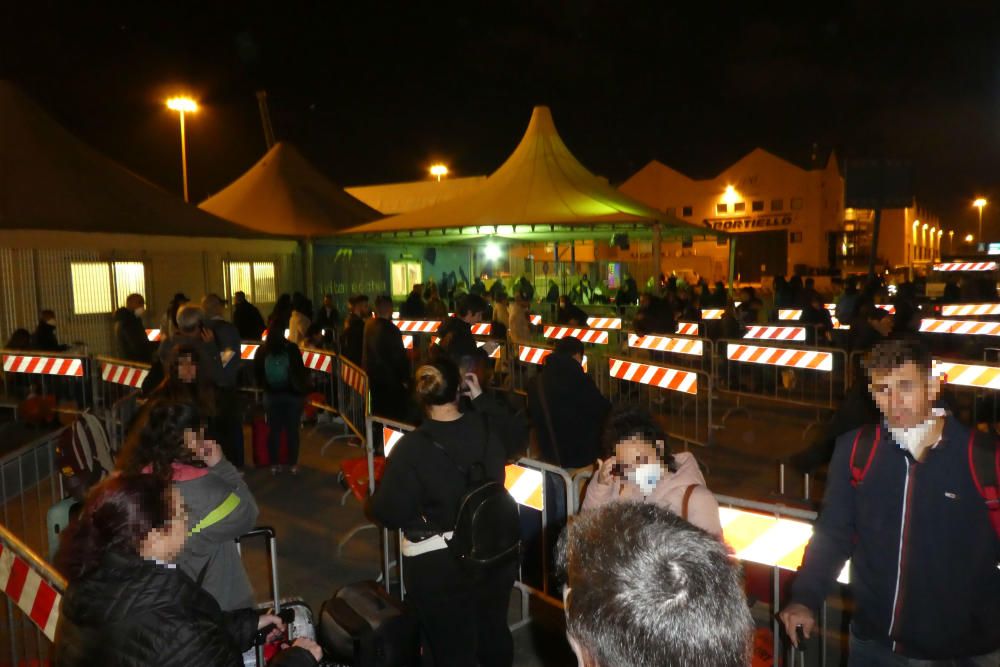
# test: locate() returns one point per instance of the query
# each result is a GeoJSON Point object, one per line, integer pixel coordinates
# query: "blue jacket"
{"type": "Point", "coordinates": [923, 553]}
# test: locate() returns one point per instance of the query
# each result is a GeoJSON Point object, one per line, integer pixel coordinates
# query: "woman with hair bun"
{"type": "Point", "coordinates": [171, 444]}
{"type": "Point", "coordinates": [463, 615]}
{"type": "Point", "coordinates": [127, 605]}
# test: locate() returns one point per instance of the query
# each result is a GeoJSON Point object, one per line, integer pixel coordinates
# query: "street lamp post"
{"type": "Point", "coordinates": [951, 241]}
{"type": "Point", "coordinates": [980, 203]}
{"type": "Point", "coordinates": [183, 105]}
{"type": "Point", "coordinates": [438, 171]}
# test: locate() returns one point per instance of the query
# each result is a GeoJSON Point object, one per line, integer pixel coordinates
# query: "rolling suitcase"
{"type": "Point", "coordinates": [295, 613]}
{"type": "Point", "coordinates": [259, 431]}
{"type": "Point", "coordinates": [362, 626]}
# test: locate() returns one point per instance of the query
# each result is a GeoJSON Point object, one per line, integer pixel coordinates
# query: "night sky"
{"type": "Point", "coordinates": [374, 92]}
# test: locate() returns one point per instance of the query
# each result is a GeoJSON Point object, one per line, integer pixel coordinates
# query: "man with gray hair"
{"type": "Point", "coordinates": [229, 417]}
{"type": "Point", "coordinates": [191, 330]}
{"type": "Point", "coordinates": [644, 588]}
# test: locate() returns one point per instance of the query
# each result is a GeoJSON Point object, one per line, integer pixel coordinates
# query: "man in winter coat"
{"type": "Point", "coordinates": [386, 364]}
{"type": "Point", "coordinates": [44, 338]}
{"type": "Point", "coordinates": [130, 334]}
{"type": "Point", "coordinates": [911, 516]}
{"type": "Point", "coordinates": [456, 336]}
{"type": "Point", "coordinates": [248, 320]}
{"type": "Point", "coordinates": [228, 423]}
{"type": "Point", "coordinates": [328, 319]}
{"type": "Point", "coordinates": [352, 341]}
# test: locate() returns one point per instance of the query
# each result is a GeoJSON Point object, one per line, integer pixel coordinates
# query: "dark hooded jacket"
{"type": "Point", "coordinates": [130, 336]}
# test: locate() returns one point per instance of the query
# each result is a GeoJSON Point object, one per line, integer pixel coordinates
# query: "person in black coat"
{"type": "Point", "coordinates": [414, 308]}
{"type": "Point", "coordinates": [386, 363]}
{"type": "Point", "coordinates": [352, 341]}
{"type": "Point", "coordinates": [570, 313]}
{"type": "Point", "coordinates": [456, 336]}
{"type": "Point", "coordinates": [278, 368]}
{"type": "Point", "coordinates": [328, 319]}
{"type": "Point", "coordinates": [125, 605]}
{"type": "Point", "coordinates": [44, 338]}
{"type": "Point", "coordinates": [247, 318]}
{"type": "Point", "coordinates": [130, 333]}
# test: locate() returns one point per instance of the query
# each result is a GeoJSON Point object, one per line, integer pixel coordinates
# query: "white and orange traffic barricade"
{"type": "Point", "coordinates": [684, 394]}
{"type": "Point", "coordinates": [535, 320]}
{"type": "Point", "coordinates": [837, 324]}
{"type": "Point", "coordinates": [124, 373]}
{"type": "Point", "coordinates": [418, 326]}
{"type": "Point", "coordinates": [408, 342]}
{"type": "Point", "coordinates": [768, 332]}
{"type": "Point", "coordinates": [67, 376]}
{"type": "Point", "coordinates": [32, 585]}
{"type": "Point", "coordinates": [887, 307]}
{"type": "Point", "coordinates": [712, 313]}
{"type": "Point", "coordinates": [117, 394]}
{"type": "Point", "coordinates": [689, 352]}
{"type": "Point", "coordinates": [154, 335]}
{"type": "Point", "coordinates": [606, 323]}
{"type": "Point", "coordinates": [960, 327]}
{"type": "Point", "coordinates": [248, 351]}
{"type": "Point", "coordinates": [786, 314]}
{"type": "Point", "coordinates": [688, 329]}
{"type": "Point", "coordinates": [975, 386]}
{"type": "Point", "coordinates": [494, 351]}
{"type": "Point", "coordinates": [813, 377]}
{"type": "Point", "coordinates": [592, 336]}
{"type": "Point", "coordinates": [965, 266]}
{"type": "Point", "coordinates": [970, 309]}
{"type": "Point", "coordinates": [353, 396]}
{"type": "Point", "coordinates": [527, 357]}
{"type": "Point", "coordinates": [481, 329]}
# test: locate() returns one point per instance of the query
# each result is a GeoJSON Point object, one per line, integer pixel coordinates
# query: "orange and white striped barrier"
{"type": "Point", "coordinates": [418, 326]}
{"type": "Point", "coordinates": [887, 307]}
{"type": "Point", "coordinates": [832, 309]}
{"type": "Point", "coordinates": [961, 327]}
{"type": "Point", "coordinates": [614, 323]}
{"type": "Point", "coordinates": [525, 485]}
{"type": "Point", "coordinates": [586, 335]}
{"type": "Point", "coordinates": [965, 266]}
{"type": "Point", "coordinates": [968, 375]}
{"type": "Point", "coordinates": [317, 361]}
{"type": "Point", "coordinates": [712, 313]}
{"type": "Point", "coordinates": [390, 437]}
{"type": "Point", "coordinates": [248, 350]}
{"type": "Point", "coordinates": [790, 314]}
{"type": "Point", "coordinates": [966, 309]}
{"type": "Point", "coordinates": [355, 378]}
{"type": "Point", "coordinates": [32, 365]}
{"type": "Point", "coordinates": [692, 346]}
{"type": "Point", "coordinates": [780, 356]}
{"type": "Point", "coordinates": [482, 329]}
{"type": "Point", "coordinates": [35, 596]}
{"type": "Point", "coordinates": [263, 336]}
{"type": "Point", "coordinates": [536, 320]}
{"type": "Point", "coordinates": [537, 355]}
{"type": "Point", "coordinates": [128, 376]}
{"type": "Point", "coordinates": [408, 342]}
{"type": "Point", "coordinates": [775, 333]}
{"type": "Point", "coordinates": [153, 335]}
{"type": "Point", "coordinates": [768, 540]}
{"type": "Point", "coordinates": [673, 379]}
{"type": "Point", "coordinates": [687, 328]}
{"type": "Point", "coordinates": [495, 354]}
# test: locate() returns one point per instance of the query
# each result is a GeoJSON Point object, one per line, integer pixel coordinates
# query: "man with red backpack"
{"type": "Point", "coordinates": [912, 502]}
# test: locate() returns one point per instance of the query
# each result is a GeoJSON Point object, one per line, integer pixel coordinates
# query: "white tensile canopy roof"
{"type": "Point", "coordinates": [284, 194]}
{"type": "Point", "coordinates": [540, 193]}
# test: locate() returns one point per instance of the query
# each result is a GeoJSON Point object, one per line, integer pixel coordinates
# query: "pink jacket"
{"type": "Point", "coordinates": [703, 510]}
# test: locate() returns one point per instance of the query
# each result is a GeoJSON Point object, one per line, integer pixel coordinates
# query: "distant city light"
{"type": "Point", "coordinates": [439, 170]}
{"type": "Point", "coordinates": [968, 238]}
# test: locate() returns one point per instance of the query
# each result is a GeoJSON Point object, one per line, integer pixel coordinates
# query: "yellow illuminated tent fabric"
{"type": "Point", "coordinates": [51, 180]}
{"type": "Point", "coordinates": [284, 194]}
{"type": "Point", "coordinates": [540, 192]}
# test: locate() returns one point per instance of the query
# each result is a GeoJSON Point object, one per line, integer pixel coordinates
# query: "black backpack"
{"type": "Point", "coordinates": [487, 528]}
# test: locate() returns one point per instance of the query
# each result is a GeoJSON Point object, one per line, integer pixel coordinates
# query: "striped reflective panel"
{"type": "Point", "coordinates": [768, 540]}
{"type": "Point", "coordinates": [407, 342]}
{"type": "Point", "coordinates": [354, 377]}
{"type": "Point", "coordinates": [128, 376]}
{"type": "Point", "coordinates": [536, 320]}
{"type": "Point", "coordinates": [775, 333]}
{"type": "Point", "coordinates": [687, 328]}
{"type": "Point", "coordinates": [525, 486]}
{"type": "Point", "coordinates": [153, 335]}
{"type": "Point", "coordinates": [418, 326]}
{"type": "Point", "coordinates": [780, 356]}
{"type": "Point", "coordinates": [604, 323]}
{"type": "Point", "coordinates": [969, 375]}
{"type": "Point", "coordinates": [586, 335]}
{"type": "Point", "coordinates": [248, 350]}
{"type": "Point", "coordinates": [263, 336]}
{"type": "Point", "coordinates": [712, 313]}
{"type": "Point", "coordinates": [960, 327]}
{"type": "Point", "coordinates": [29, 591]}
{"type": "Point", "coordinates": [32, 365]}
{"type": "Point", "coordinates": [692, 346]}
{"type": "Point", "coordinates": [965, 266]}
{"type": "Point", "coordinates": [482, 329]}
{"type": "Point", "coordinates": [536, 355]}
{"type": "Point", "coordinates": [966, 309]}
{"type": "Point", "coordinates": [390, 437]}
{"type": "Point", "coordinates": [887, 307]}
{"type": "Point", "coordinates": [317, 361]}
{"type": "Point", "coordinates": [789, 314]}
{"type": "Point", "coordinates": [673, 379]}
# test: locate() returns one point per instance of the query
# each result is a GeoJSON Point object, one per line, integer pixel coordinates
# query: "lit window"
{"type": "Point", "coordinates": [777, 204]}
{"type": "Point", "coordinates": [404, 275]}
{"type": "Point", "coordinates": [91, 287]}
{"type": "Point", "coordinates": [740, 206]}
{"type": "Point", "coordinates": [255, 279]}
{"type": "Point", "coordinates": [687, 211]}
{"type": "Point", "coordinates": [758, 205]}
{"type": "Point", "coordinates": [130, 278]}
{"type": "Point", "coordinates": [721, 208]}
{"type": "Point", "coordinates": [796, 203]}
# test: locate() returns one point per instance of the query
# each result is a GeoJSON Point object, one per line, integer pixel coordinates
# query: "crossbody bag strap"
{"type": "Point", "coordinates": [687, 500]}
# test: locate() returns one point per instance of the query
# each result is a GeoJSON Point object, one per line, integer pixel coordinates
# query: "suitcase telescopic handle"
{"type": "Point", "coordinates": [272, 552]}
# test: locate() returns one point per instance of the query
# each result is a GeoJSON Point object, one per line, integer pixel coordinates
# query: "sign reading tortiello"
{"type": "Point", "coordinates": [748, 224]}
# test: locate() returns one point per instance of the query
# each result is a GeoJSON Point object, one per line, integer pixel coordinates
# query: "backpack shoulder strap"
{"type": "Point", "coordinates": [687, 500]}
{"type": "Point", "coordinates": [863, 452]}
{"type": "Point", "coordinates": [984, 464]}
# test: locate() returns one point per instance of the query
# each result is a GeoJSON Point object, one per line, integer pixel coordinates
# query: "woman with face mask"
{"type": "Point", "coordinates": [639, 467]}
{"type": "Point", "coordinates": [127, 604]}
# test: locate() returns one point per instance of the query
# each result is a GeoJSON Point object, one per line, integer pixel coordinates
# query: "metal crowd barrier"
{"type": "Point", "coordinates": [354, 400]}
{"type": "Point", "coordinates": [117, 393]}
{"type": "Point", "coordinates": [683, 396]}
{"type": "Point", "coordinates": [695, 353]}
{"type": "Point", "coordinates": [973, 390]}
{"type": "Point", "coordinates": [320, 366]}
{"type": "Point", "coordinates": [33, 592]}
{"type": "Point", "coordinates": [65, 375]}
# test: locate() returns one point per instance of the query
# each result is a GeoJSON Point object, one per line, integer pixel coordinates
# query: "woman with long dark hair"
{"type": "Point", "coordinates": [170, 443]}
{"type": "Point", "coordinates": [463, 614]}
{"type": "Point", "coordinates": [126, 604]}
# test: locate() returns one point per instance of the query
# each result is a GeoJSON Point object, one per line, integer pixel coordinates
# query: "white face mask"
{"type": "Point", "coordinates": [913, 439]}
{"type": "Point", "coordinates": [140, 311]}
{"type": "Point", "coordinates": [646, 476]}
